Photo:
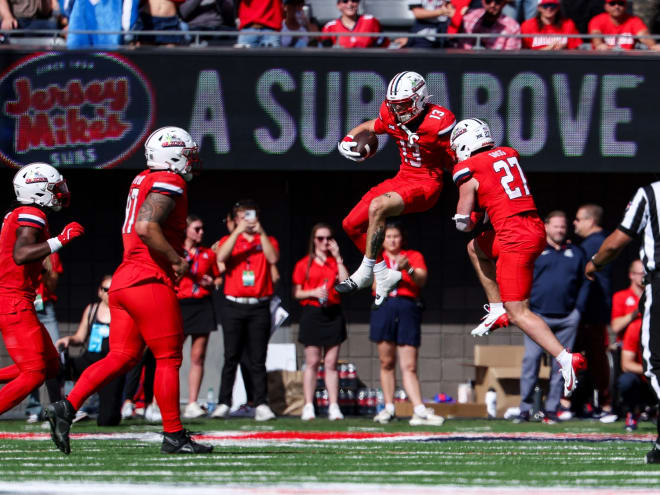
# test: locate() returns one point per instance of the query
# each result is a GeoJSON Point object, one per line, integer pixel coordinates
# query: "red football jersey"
{"type": "Point", "coordinates": [365, 24]}
{"type": "Point", "coordinates": [540, 41]}
{"type": "Point", "coordinates": [202, 261]}
{"type": "Point", "coordinates": [406, 288]}
{"type": "Point", "coordinates": [18, 283]}
{"type": "Point", "coordinates": [503, 190]}
{"type": "Point", "coordinates": [140, 263]}
{"type": "Point", "coordinates": [625, 302]}
{"type": "Point", "coordinates": [248, 270]}
{"type": "Point", "coordinates": [56, 264]}
{"type": "Point", "coordinates": [318, 275]}
{"type": "Point", "coordinates": [430, 153]}
{"type": "Point", "coordinates": [622, 35]}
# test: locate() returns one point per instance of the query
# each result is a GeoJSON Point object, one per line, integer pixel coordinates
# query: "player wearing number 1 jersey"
{"type": "Point", "coordinates": [421, 131]}
{"type": "Point", "coordinates": [143, 305]}
{"type": "Point", "coordinates": [492, 179]}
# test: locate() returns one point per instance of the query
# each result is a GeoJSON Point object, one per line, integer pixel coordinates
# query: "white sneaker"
{"type": "Point", "coordinates": [428, 418]}
{"type": "Point", "coordinates": [193, 410]}
{"type": "Point", "coordinates": [221, 411]}
{"type": "Point", "coordinates": [308, 412]}
{"type": "Point", "coordinates": [383, 417]}
{"type": "Point", "coordinates": [152, 413]}
{"type": "Point", "coordinates": [497, 318]}
{"type": "Point", "coordinates": [80, 415]}
{"type": "Point", "coordinates": [578, 363]}
{"type": "Point", "coordinates": [263, 413]}
{"type": "Point", "coordinates": [127, 410]}
{"type": "Point", "coordinates": [385, 284]}
{"type": "Point", "coordinates": [361, 279]}
{"type": "Point", "coordinates": [334, 413]}
{"type": "Point", "coordinates": [32, 418]}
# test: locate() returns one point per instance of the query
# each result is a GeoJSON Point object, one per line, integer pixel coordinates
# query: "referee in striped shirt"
{"type": "Point", "coordinates": [642, 218]}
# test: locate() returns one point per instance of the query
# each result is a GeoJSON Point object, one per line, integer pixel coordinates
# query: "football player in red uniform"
{"type": "Point", "coordinates": [490, 178]}
{"type": "Point", "coordinates": [421, 130]}
{"type": "Point", "coordinates": [24, 243]}
{"type": "Point", "coordinates": [143, 304]}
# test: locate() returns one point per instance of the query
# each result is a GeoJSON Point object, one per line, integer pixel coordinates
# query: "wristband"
{"type": "Point", "coordinates": [598, 267]}
{"type": "Point", "coordinates": [54, 244]}
{"type": "Point", "coordinates": [411, 270]}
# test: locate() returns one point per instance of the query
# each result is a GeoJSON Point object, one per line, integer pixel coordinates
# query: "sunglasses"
{"type": "Point", "coordinates": [347, 1]}
{"type": "Point", "coordinates": [198, 229]}
{"type": "Point", "coordinates": [549, 6]}
{"type": "Point", "coordinates": [488, 2]}
{"type": "Point", "coordinates": [105, 289]}
{"type": "Point", "coordinates": [323, 238]}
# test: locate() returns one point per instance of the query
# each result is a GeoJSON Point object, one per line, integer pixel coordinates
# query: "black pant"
{"type": "Point", "coordinates": [245, 327]}
{"type": "Point", "coordinates": [649, 306]}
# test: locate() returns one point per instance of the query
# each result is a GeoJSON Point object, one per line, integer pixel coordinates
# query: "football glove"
{"type": "Point", "coordinates": [345, 147]}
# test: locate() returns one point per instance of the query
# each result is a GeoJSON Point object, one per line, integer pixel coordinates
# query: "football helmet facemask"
{"type": "Point", "coordinates": [41, 184]}
{"type": "Point", "coordinates": [468, 136]}
{"type": "Point", "coordinates": [407, 95]}
{"type": "Point", "coordinates": [172, 148]}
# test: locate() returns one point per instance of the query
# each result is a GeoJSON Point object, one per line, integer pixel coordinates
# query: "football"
{"type": "Point", "coordinates": [367, 143]}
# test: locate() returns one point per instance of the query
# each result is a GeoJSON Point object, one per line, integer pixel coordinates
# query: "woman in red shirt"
{"type": "Point", "coordinates": [194, 294]}
{"type": "Point", "coordinates": [547, 23]}
{"type": "Point", "coordinates": [322, 323]}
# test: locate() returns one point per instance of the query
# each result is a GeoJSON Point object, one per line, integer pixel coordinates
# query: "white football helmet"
{"type": "Point", "coordinates": [172, 148]}
{"type": "Point", "coordinates": [41, 184]}
{"type": "Point", "coordinates": [468, 136]}
{"type": "Point", "coordinates": [407, 95]}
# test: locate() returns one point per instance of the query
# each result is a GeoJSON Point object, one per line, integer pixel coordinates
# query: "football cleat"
{"type": "Point", "coordinates": [653, 457]}
{"type": "Point", "coordinates": [493, 320]}
{"type": "Point", "coordinates": [578, 363]}
{"type": "Point", "coordinates": [180, 442]}
{"type": "Point", "coordinates": [386, 284]}
{"type": "Point", "coordinates": [361, 279]}
{"type": "Point", "coordinates": [60, 415]}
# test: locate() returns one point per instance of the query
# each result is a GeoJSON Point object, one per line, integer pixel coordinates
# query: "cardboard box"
{"type": "Point", "coordinates": [447, 409]}
{"type": "Point", "coordinates": [499, 367]}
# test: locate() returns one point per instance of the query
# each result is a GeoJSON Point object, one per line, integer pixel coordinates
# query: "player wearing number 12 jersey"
{"type": "Point", "coordinates": [421, 131]}
{"type": "Point", "coordinates": [492, 179]}
{"type": "Point", "coordinates": [143, 305]}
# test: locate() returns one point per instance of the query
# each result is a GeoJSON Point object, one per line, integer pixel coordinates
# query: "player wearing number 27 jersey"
{"type": "Point", "coordinates": [492, 179]}
{"type": "Point", "coordinates": [421, 132]}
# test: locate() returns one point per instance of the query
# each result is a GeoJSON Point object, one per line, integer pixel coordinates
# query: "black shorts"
{"type": "Point", "coordinates": [398, 320]}
{"type": "Point", "coordinates": [322, 327]}
{"type": "Point", "coordinates": [198, 316]}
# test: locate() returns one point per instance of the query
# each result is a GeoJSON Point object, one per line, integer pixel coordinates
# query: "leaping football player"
{"type": "Point", "coordinates": [143, 305]}
{"type": "Point", "coordinates": [421, 130]}
{"type": "Point", "coordinates": [24, 244]}
{"type": "Point", "coordinates": [490, 178]}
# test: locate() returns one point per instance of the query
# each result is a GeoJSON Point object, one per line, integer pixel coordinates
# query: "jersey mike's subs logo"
{"type": "Point", "coordinates": [73, 110]}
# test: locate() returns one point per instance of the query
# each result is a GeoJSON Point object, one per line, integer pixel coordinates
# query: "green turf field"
{"type": "Point", "coordinates": [251, 454]}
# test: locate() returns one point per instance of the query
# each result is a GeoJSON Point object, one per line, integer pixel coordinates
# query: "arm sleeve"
{"type": "Point", "coordinates": [32, 217]}
{"type": "Point", "coordinates": [298, 277]}
{"type": "Point", "coordinates": [636, 216]}
{"type": "Point", "coordinates": [417, 260]}
{"type": "Point", "coordinates": [618, 308]}
{"type": "Point", "coordinates": [171, 185]}
{"type": "Point", "coordinates": [461, 174]}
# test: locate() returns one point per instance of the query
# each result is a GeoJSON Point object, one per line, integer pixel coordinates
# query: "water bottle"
{"type": "Point", "coordinates": [536, 406]}
{"type": "Point", "coordinates": [363, 401]}
{"type": "Point", "coordinates": [380, 401]}
{"type": "Point", "coordinates": [491, 403]}
{"type": "Point", "coordinates": [324, 300]}
{"type": "Point", "coordinates": [210, 401]}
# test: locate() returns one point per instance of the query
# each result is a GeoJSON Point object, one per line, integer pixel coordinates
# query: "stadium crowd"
{"type": "Point", "coordinates": [499, 24]}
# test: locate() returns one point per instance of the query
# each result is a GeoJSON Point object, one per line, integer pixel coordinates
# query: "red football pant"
{"type": "Point", "coordinates": [516, 246]}
{"type": "Point", "coordinates": [143, 314]}
{"type": "Point", "coordinates": [418, 195]}
{"type": "Point", "coordinates": [34, 355]}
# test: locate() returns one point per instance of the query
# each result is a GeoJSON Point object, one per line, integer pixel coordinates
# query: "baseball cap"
{"type": "Point", "coordinates": [548, 2]}
{"type": "Point", "coordinates": [610, 1]}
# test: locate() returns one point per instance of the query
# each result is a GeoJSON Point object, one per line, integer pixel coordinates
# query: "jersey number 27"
{"type": "Point", "coordinates": [511, 166]}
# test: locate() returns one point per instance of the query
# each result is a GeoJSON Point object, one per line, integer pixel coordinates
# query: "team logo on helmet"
{"type": "Point", "coordinates": [34, 177]}
{"type": "Point", "coordinates": [171, 140]}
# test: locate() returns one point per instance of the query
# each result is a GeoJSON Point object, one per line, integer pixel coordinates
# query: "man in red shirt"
{"type": "Point", "coordinates": [421, 131]}
{"type": "Point", "coordinates": [24, 244]}
{"type": "Point", "coordinates": [351, 22]}
{"type": "Point", "coordinates": [625, 303]}
{"type": "Point", "coordinates": [264, 16]}
{"type": "Point", "coordinates": [619, 28]}
{"type": "Point", "coordinates": [143, 304]}
{"type": "Point", "coordinates": [491, 178]}
{"type": "Point", "coordinates": [248, 254]}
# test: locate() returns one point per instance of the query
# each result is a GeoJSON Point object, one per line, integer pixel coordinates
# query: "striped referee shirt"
{"type": "Point", "coordinates": [642, 214]}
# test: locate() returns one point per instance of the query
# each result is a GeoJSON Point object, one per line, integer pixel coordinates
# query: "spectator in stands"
{"type": "Point", "coordinates": [556, 291]}
{"type": "Point", "coordinates": [635, 392]}
{"type": "Point", "coordinates": [194, 294]}
{"type": "Point", "coordinates": [619, 28]}
{"type": "Point", "coordinates": [351, 22]}
{"type": "Point", "coordinates": [460, 9]}
{"type": "Point", "coordinates": [581, 12]}
{"type": "Point", "coordinates": [248, 253]}
{"type": "Point", "coordinates": [295, 21]}
{"type": "Point", "coordinates": [490, 20]}
{"type": "Point", "coordinates": [28, 14]}
{"type": "Point", "coordinates": [549, 21]}
{"type": "Point", "coordinates": [592, 335]}
{"type": "Point", "coordinates": [431, 17]}
{"type": "Point", "coordinates": [209, 15]}
{"type": "Point", "coordinates": [159, 15]}
{"type": "Point", "coordinates": [625, 303]}
{"type": "Point", "coordinates": [396, 328]}
{"type": "Point", "coordinates": [264, 16]}
{"type": "Point", "coordinates": [94, 329]}
{"type": "Point", "coordinates": [520, 10]}
{"type": "Point", "coordinates": [322, 323]}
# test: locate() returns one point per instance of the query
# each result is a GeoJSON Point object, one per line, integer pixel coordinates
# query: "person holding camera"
{"type": "Point", "coordinates": [248, 253]}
